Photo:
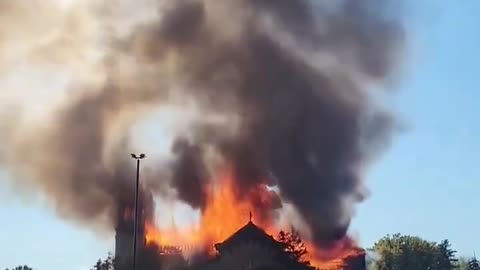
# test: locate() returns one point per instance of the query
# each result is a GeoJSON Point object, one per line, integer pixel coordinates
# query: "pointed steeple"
{"type": "Point", "coordinates": [250, 219]}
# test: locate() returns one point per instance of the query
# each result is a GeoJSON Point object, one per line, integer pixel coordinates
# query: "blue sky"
{"type": "Point", "coordinates": [426, 184]}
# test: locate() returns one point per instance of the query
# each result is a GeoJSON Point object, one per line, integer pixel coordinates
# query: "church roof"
{"type": "Point", "coordinates": [249, 232]}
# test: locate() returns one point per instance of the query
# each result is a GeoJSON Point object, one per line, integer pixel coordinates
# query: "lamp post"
{"type": "Point", "coordinates": [135, 221]}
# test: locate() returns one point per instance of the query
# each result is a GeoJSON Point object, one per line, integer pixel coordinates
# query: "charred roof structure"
{"type": "Point", "coordinates": [252, 248]}
{"type": "Point", "coordinates": [249, 233]}
{"type": "Point", "coordinates": [248, 248]}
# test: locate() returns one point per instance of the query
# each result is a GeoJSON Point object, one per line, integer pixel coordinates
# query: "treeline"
{"type": "Point", "coordinates": [392, 252]}
{"type": "Point", "coordinates": [106, 264]}
{"type": "Point", "coordinates": [23, 267]}
{"type": "Point", "coordinates": [414, 253]}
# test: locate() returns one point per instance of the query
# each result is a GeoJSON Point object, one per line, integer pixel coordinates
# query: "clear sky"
{"type": "Point", "coordinates": [427, 184]}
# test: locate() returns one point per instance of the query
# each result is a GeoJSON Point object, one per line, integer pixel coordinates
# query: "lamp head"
{"type": "Point", "coordinates": [142, 156]}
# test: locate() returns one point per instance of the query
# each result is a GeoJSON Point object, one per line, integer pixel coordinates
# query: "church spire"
{"type": "Point", "coordinates": [250, 216]}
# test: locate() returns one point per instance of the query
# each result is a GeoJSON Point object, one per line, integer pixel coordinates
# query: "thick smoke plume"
{"type": "Point", "coordinates": [283, 92]}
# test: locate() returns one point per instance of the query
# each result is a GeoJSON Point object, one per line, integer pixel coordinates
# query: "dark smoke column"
{"type": "Point", "coordinates": [296, 79]}
{"type": "Point", "coordinates": [280, 86]}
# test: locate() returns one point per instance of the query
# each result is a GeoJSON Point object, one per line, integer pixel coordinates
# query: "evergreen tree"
{"type": "Point", "coordinates": [293, 244]}
{"type": "Point", "coordinates": [106, 264]}
{"type": "Point", "coordinates": [473, 264]}
{"type": "Point", "coordinates": [98, 265]}
{"type": "Point", "coordinates": [295, 248]}
{"type": "Point", "coordinates": [445, 258]}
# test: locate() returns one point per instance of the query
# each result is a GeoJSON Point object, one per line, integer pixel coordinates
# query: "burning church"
{"type": "Point", "coordinates": [222, 240]}
{"type": "Point", "coordinates": [250, 247]}
{"type": "Point", "coordinates": [270, 106]}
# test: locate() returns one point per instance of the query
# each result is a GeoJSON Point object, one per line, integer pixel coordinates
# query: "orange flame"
{"type": "Point", "coordinates": [223, 215]}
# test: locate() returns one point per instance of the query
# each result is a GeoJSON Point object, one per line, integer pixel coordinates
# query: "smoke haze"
{"type": "Point", "coordinates": [281, 90]}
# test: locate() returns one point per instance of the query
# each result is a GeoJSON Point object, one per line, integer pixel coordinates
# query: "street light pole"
{"type": "Point", "coordinates": [135, 221]}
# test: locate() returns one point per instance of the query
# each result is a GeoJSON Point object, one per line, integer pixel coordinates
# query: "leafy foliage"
{"type": "Point", "coordinates": [107, 264]}
{"type": "Point", "coordinates": [462, 263]}
{"type": "Point", "coordinates": [293, 244]}
{"type": "Point", "coordinates": [392, 252]}
{"type": "Point", "coordinates": [294, 247]}
{"type": "Point", "coordinates": [24, 267]}
{"type": "Point", "coordinates": [410, 252]}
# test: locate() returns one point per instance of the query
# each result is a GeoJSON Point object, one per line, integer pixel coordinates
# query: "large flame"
{"type": "Point", "coordinates": [224, 214]}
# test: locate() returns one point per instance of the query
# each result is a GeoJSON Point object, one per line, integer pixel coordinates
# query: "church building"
{"type": "Point", "coordinates": [251, 248]}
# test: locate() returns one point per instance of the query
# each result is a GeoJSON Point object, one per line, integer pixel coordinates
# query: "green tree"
{"type": "Point", "coordinates": [445, 258]}
{"type": "Point", "coordinates": [106, 264]}
{"type": "Point", "coordinates": [295, 248]}
{"type": "Point", "coordinates": [473, 264]}
{"type": "Point", "coordinates": [400, 252]}
{"type": "Point", "coordinates": [24, 267]}
{"type": "Point", "coordinates": [293, 244]}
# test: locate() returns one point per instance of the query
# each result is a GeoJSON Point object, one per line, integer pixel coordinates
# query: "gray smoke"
{"type": "Point", "coordinates": [311, 124]}
{"type": "Point", "coordinates": [290, 80]}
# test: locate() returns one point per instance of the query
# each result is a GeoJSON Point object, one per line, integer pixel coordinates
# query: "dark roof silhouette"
{"type": "Point", "coordinates": [248, 233]}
